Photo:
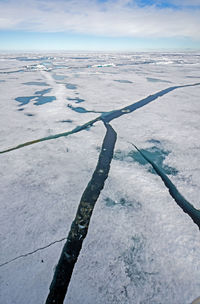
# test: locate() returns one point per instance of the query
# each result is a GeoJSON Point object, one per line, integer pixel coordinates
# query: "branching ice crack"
{"type": "Point", "coordinates": [80, 225]}
{"type": "Point", "coordinates": [107, 117]}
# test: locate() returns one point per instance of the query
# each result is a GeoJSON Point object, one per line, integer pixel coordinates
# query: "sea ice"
{"type": "Point", "coordinates": [140, 244]}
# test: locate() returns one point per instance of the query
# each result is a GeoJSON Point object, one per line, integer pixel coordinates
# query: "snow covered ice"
{"type": "Point", "coordinates": [141, 247]}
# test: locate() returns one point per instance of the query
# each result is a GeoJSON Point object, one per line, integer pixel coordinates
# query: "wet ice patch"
{"type": "Point", "coordinates": [24, 99]}
{"type": "Point", "coordinates": [123, 81]}
{"type": "Point", "coordinates": [58, 77]}
{"type": "Point", "coordinates": [29, 114]}
{"type": "Point", "coordinates": [77, 100]}
{"type": "Point", "coordinates": [78, 109]}
{"type": "Point", "coordinates": [157, 80]}
{"type": "Point", "coordinates": [66, 120]}
{"type": "Point", "coordinates": [71, 86]}
{"type": "Point", "coordinates": [42, 92]}
{"type": "Point", "coordinates": [155, 153]}
{"type": "Point", "coordinates": [12, 72]}
{"type": "Point", "coordinates": [192, 77]}
{"type": "Point", "coordinates": [154, 141]}
{"type": "Point", "coordinates": [59, 66]}
{"type": "Point", "coordinates": [36, 83]}
{"type": "Point", "coordinates": [40, 100]}
{"type": "Point", "coordinates": [81, 58]}
{"type": "Point", "coordinates": [47, 64]}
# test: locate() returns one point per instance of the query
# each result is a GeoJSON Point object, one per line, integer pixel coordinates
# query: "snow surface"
{"type": "Point", "coordinates": [141, 247]}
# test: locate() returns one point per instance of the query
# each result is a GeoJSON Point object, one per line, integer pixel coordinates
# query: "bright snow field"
{"type": "Point", "coordinates": [141, 247]}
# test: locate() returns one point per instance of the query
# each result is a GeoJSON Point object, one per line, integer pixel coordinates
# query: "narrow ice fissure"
{"type": "Point", "coordinates": [117, 113]}
{"type": "Point", "coordinates": [176, 195]}
{"type": "Point", "coordinates": [79, 227]}
{"type": "Point", "coordinates": [32, 252]}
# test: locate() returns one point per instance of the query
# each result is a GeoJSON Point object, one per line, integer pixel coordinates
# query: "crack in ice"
{"type": "Point", "coordinates": [80, 225]}
{"type": "Point", "coordinates": [107, 117]}
{"type": "Point", "coordinates": [176, 195]}
{"type": "Point", "coordinates": [32, 252]}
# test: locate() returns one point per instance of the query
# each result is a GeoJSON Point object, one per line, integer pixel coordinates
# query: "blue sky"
{"type": "Point", "coordinates": [110, 25]}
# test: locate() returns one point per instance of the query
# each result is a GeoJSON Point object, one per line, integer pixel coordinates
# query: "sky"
{"type": "Point", "coordinates": [99, 25]}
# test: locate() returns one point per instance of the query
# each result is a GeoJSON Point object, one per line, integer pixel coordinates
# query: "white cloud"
{"type": "Point", "coordinates": [113, 18]}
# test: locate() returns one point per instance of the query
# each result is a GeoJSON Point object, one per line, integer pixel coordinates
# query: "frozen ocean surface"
{"type": "Point", "coordinates": [141, 248]}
